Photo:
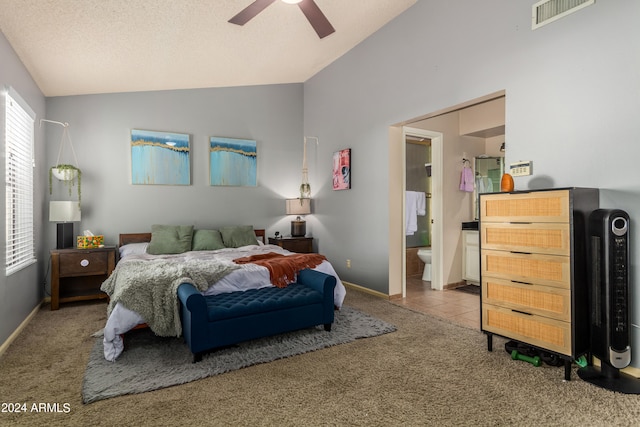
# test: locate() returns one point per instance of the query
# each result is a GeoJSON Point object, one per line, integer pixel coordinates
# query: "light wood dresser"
{"type": "Point", "coordinates": [534, 269]}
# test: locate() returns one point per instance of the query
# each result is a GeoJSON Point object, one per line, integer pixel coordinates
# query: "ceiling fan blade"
{"type": "Point", "coordinates": [250, 11]}
{"type": "Point", "coordinates": [316, 18]}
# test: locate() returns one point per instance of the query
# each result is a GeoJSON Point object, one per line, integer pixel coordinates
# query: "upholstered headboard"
{"type": "Point", "coordinates": [127, 238]}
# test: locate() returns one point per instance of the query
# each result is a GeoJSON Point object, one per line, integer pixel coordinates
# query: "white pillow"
{"type": "Point", "coordinates": [133, 249]}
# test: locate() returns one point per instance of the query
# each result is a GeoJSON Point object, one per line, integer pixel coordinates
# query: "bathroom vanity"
{"type": "Point", "coordinates": [471, 253]}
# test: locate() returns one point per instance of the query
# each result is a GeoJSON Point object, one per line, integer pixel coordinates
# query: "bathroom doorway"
{"type": "Point", "coordinates": [418, 169]}
{"type": "Point", "coordinates": [445, 251]}
{"type": "Point", "coordinates": [422, 154]}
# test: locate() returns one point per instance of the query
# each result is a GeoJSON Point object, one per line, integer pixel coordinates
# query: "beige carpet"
{"type": "Point", "coordinates": [151, 362]}
{"type": "Point", "coordinates": [429, 372]}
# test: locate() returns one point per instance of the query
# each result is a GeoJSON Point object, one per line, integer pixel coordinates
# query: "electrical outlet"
{"type": "Point", "coordinates": [522, 168]}
{"type": "Point", "coordinates": [348, 263]}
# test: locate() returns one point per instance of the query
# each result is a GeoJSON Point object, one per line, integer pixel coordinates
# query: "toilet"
{"type": "Point", "coordinates": [425, 256]}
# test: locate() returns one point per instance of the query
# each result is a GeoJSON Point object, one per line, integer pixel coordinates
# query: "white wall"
{"type": "Point", "coordinates": [573, 102]}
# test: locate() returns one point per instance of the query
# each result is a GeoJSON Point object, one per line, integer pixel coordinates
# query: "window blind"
{"type": "Point", "coordinates": [19, 163]}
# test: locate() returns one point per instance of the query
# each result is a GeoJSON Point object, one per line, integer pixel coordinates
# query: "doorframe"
{"type": "Point", "coordinates": [436, 205]}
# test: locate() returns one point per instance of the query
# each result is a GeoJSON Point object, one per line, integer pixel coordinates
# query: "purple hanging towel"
{"type": "Point", "coordinates": [466, 180]}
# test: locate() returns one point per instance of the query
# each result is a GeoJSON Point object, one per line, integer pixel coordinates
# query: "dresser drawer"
{"type": "Point", "coordinates": [540, 206]}
{"type": "Point", "coordinates": [543, 238]}
{"type": "Point", "coordinates": [550, 270]}
{"type": "Point", "coordinates": [545, 301]}
{"type": "Point", "coordinates": [83, 263]}
{"type": "Point", "coordinates": [536, 330]}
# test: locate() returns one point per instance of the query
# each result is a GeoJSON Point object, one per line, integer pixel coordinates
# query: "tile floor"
{"type": "Point", "coordinates": [459, 307]}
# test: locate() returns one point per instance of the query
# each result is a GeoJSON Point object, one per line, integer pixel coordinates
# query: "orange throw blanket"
{"type": "Point", "coordinates": [283, 268]}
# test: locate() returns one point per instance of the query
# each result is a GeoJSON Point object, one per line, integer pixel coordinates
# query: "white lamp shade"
{"type": "Point", "coordinates": [67, 211]}
{"type": "Point", "coordinates": [298, 206]}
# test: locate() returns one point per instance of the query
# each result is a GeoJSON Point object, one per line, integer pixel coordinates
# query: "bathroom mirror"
{"type": "Point", "coordinates": [488, 172]}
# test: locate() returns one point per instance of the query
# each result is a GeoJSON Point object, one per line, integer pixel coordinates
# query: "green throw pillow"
{"type": "Point", "coordinates": [207, 240]}
{"type": "Point", "coordinates": [234, 237]}
{"type": "Point", "coordinates": [170, 239]}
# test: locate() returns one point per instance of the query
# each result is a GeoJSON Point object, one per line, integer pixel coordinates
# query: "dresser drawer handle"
{"type": "Point", "coordinates": [520, 222]}
{"type": "Point", "coordinates": [84, 262]}
{"type": "Point", "coordinates": [522, 283]}
{"type": "Point", "coordinates": [521, 253]}
{"type": "Point", "coordinates": [522, 312]}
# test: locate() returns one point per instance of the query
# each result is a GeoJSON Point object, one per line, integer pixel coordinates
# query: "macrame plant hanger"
{"type": "Point", "coordinates": [66, 173]}
{"type": "Point", "coordinates": [65, 135]}
{"type": "Point", "coordinates": [305, 187]}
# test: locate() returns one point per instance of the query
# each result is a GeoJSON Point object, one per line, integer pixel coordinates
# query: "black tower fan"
{"type": "Point", "coordinates": [608, 249]}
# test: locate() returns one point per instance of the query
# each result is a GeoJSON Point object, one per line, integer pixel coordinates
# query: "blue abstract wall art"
{"type": "Point", "coordinates": [160, 158]}
{"type": "Point", "coordinates": [233, 162]}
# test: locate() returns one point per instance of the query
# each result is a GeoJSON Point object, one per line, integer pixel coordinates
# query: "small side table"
{"type": "Point", "coordinates": [76, 274]}
{"type": "Point", "coordinates": [303, 245]}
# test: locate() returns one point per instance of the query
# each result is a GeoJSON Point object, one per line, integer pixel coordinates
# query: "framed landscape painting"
{"type": "Point", "coordinates": [233, 162]}
{"type": "Point", "coordinates": [160, 158]}
{"type": "Point", "coordinates": [342, 169]}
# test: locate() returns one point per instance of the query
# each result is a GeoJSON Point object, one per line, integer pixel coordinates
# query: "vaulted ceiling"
{"type": "Point", "coordinates": [73, 47]}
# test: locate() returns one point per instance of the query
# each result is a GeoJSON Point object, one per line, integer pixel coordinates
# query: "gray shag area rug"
{"type": "Point", "coordinates": [150, 362]}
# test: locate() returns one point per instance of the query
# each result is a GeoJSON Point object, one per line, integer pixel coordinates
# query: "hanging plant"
{"type": "Point", "coordinates": [68, 175]}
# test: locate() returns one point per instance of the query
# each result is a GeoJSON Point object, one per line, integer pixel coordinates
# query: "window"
{"type": "Point", "coordinates": [19, 163]}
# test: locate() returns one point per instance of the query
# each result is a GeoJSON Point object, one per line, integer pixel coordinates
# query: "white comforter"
{"type": "Point", "coordinates": [249, 276]}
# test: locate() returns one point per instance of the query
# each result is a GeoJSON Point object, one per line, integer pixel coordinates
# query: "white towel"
{"type": "Point", "coordinates": [412, 203]}
{"type": "Point", "coordinates": [484, 184]}
{"type": "Point", "coordinates": [421, 203]}
{"type": "Point", "coordinates": [488, 185]}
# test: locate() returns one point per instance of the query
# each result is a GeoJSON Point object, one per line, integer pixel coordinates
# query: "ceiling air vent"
{"type": "Point", "coordinates": [546, 11]}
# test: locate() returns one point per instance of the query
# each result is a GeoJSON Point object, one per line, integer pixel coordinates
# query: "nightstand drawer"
{"type": "Point", "coordinates": [303, 245]}
{"type": "Point", "coordinates": [83, 263]}
{"type": "Point", "coordinates": [540, 331]}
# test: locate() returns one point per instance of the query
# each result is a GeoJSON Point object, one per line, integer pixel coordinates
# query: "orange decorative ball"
{"type": "Point", "coordinates": [506, 183]}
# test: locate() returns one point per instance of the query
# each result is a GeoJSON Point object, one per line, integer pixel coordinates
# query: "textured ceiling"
{"type": "Point", "coordinates": [75, 47]}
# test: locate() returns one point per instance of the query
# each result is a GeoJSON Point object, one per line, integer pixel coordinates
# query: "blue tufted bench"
{"type": "Point", "coordinates": [213, 321]}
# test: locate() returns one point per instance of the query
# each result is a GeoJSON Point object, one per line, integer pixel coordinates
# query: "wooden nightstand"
{"type": "Point", "coordinates": [302, 245]}
{"type": "Point", "coordinates": [76, 274]}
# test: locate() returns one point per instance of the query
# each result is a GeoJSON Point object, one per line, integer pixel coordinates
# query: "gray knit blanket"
{"type": "Point", "coordinates": [149, 287]}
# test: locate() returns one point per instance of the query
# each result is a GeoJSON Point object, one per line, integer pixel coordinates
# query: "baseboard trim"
{"type": "Point", "coordinates": [396, 296]}
{"type": "Point", "coordinates": [5, 345]}
{"type": "Point", "coordinates": [450, 286]}
{"type": "Point", "coordinates": [366, 290]}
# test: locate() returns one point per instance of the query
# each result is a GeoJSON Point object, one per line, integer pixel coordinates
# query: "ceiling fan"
{"type": "Point", "coordinates": [316, 18]}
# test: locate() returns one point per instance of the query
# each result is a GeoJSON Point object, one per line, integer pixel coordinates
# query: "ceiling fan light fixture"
{"type": "Point", "coordinates": [309, 8]}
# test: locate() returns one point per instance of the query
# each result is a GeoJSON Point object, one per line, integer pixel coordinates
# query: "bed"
{"type": "Point", "coordinates": [135, 260]}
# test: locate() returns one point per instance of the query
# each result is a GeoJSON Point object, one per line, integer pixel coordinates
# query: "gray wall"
{"type": "Point", "coordinates": [572, 107]}
{"type": "Point", "coordinates": [100, 127]}
{"type": "Point", "coordinates": [21, 292]}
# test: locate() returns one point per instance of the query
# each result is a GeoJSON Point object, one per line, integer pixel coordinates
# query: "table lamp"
{"type": "Point", "coordinates": [65, 213]}
{"type": "Point", "coordinates": [298, 207]}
